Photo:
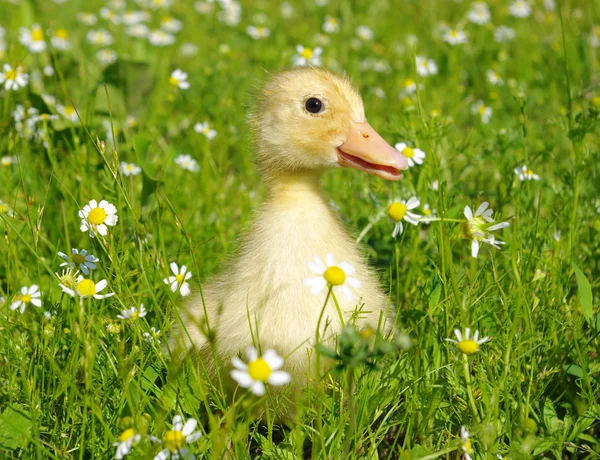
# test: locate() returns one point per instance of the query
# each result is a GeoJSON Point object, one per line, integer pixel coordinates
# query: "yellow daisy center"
{"type": "Point", "coordinates": [67, 281]}
{"type": "Point", "coordinates": [135, 315]}
{"type": "Point", "coordinates": [396, 211]}
{"type": "Point", "coordinates": [529, 172]}
{"type": "Point", "coordinates": [173, 81]}
{"type": "Point", "coordinates": [335, 276]}
{"type": "Point", "coordinates": [408, 82]}
{"type": "Point", "coordinates": [37, 35]}
{"type": "Point", "coordinates": [482, 109]}
{"type": "Point", "coordinates": [86, 287]}
{"type": "Point", "coordinates": [467, 446]}
{"type": "Point", "coordinates": [11, 74]}
{"type": "Point", "coordinates": [113, 328]}
{"type": "Point", "coordinates": [259, 370]}
{"type": "Point", "coordinates": [468, 347]}
{"type": "Point", "coordinates": [129, 167]}
{"type": "Point", "coordinates": [61, 33]}
{"type": "Point", "coordinates": [97, 216]}
{"type": "Point", "coordinates": [174, 440]}
{"type": "Point", "coordinates": [3, 209]}
{"type": "Point", "coordinates": [127, 434]}
{"type": "Point", "coordinates": [306, 53]}
{"type": "Point", "coordinates": [427, 212]}
{"type": "Point", "coordinates": [476, 225]}
{"type": "Point", "coordinates": [408, 152]}
{"type": "Point", "coordinates": [69, 110]}
{"type": "Point", "coordinates": [180, 278]}
{"type": "Point", "coordinates": [453, 33]}
{"type": "Point", "coordinates": [26, 298]}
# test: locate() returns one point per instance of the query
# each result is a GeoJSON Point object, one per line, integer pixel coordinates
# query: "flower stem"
{"type": "Point", "coordinates": [467, 375]}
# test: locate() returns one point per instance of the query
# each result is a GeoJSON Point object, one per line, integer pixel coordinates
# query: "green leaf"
{"type": "Point", "coordinates": [585, 294]}
{"type": "Point", "coordinates": [15, 428]}
{"type": "Point", "coordinates": [573, 369]}
{"type": "Point", "coordinates": [551, 420]}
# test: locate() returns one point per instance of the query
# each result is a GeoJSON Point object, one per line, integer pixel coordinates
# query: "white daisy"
{"type": "Point", "coordinates": [33, 38]}
{"type": "Point", "coordinates": [426, 67]}
{"type": "Point", "coordinates": [204, 128]}
{"type": "Point", "coordinates": [68, 111]}
{"type": "Point", "coordinates": [428, 214]}
{"type": "Point", "coordinates": [258, 32]}
{"type": "Point", "coordinates": [96, 216]}
{"type": "Point", "coordinates": [13, 79]}
{"type": "Point", "coordinates": [307, 56]}
{"type": "Point", "coordinates": [87, 288]}
{"type": "Point", "coordinates": [503, 34]}
{"type": "Point", "coordinates": [8, 160]}
{"type": "Point", "coordinates": [152, 336]}
{"type": "Point", "coordinates": [130, 18]}
{"type": "Point", "coordinates": [6, 209]}
{"type": "Point", "coordinates": [29, 295]}
{"type": "Point", "coordinates": [100, 37]}
{"type": "Point", "coordinates": [175, 439]}
{"type": "Point", "coordinates": [331, 25]}
{"type": "Point", "coordinates": [179, 281]}
{"type": "Point", "coordinates": [364, 33]}
{"type": "Point", "coordinates": [187, 162]}
{"type": "Point", "coordinates": [483, 111]}
{"type": "Point", "coordinates": [494, 77]}
{"type": "Point", "coordinates": [479, 13]}
{"type": "Point", "coordinates": [161, 38]}
{"type": "Point", "coordinates": [86, 18]}
{"type": "Point", "coordinates": [465, 443]}
{"type": "Point", "coordinates": [129, 169]}
{"type": "Point", "coordinates": [80, 260]}
{"type": "Point", "coordinates": [524, 173]}
{"type": "Point", "coordinates": [125, 441]}
{"type": "Point", "coordinates": [133, 313]}
{"type": "Point", "coordinates": [331, 274]}
{"type": "Point", "coordinates": [478, 227]}
{"type": "Point", "coordinates": [455, 37]}
{"type": "Point", "coordinates": [170, 24]}
{"type": "Point", "coordinates": [110, 15]}
{"type": "Point", "coordinates": [399, 210]}
{"type": "Point", "coordinates": [67, 278]}
{"type": "Point", "coordinates": [188, 49]}
{"type": "Point", "coordinates": [520, 9]}
{"type": "Point", "coordinates": [106, 57]}
{"type": "Point", "coordinates": [413, 155]}
{"type": "Point", "coordinates": [231, 13]}
{"type": "Point", "coordinates": [259, 370]}
{"type": "Point", "coordinates": [466, 344]}
{"type": "Point", "coordinates": [60, 39]}
{"type": "Point", "coordinates": [179, 78]}
{"type": "Point", "coordinates": [158, 4]}
{"type": "Point", "coordinates": [138, 30]}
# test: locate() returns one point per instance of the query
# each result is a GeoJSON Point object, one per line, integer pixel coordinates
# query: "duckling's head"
{"type": "Point", "coordinates": [310, 119]}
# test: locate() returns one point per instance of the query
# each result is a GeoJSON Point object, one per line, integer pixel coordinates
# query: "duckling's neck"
{"type": "Point", "coordinates": [290, 186]}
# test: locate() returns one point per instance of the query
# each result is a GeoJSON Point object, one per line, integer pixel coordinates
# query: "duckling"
{"type": "Point", "coordinates": [307, 120]}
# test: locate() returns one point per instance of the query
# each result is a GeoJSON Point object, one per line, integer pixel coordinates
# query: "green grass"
{"type": "Point", "coordinates": [69, 385]}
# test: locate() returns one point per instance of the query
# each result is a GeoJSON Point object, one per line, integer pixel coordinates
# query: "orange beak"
{"type": "Point", "coordinates": [366, 150]}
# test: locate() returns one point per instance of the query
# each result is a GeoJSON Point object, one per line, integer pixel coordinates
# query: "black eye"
{"type": "Point", "coordinates": [313, 105]}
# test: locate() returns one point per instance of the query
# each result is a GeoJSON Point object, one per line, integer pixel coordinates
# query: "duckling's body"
{"type": "Point", "coordinates": [261, 296]}
{"type": "Point", "coordinates": [265, 283]}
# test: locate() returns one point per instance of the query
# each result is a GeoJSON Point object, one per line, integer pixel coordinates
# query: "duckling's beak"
{"type": "Point", "coordinates": [366, 150]}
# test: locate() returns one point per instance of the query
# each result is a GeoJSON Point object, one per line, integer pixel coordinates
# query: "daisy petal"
{"type": "Point", "coordinates": [279, 378]}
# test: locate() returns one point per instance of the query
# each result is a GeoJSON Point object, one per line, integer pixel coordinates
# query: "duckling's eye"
{"type": "Point", "coordinates": [314, 105]}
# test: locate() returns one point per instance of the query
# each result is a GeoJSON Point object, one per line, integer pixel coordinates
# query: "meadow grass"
{"type": "Point", "coordinates": [74, 377]}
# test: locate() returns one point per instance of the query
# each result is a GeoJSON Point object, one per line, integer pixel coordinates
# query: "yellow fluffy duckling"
{"type": "Point", "coordinates": [307, 120]}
